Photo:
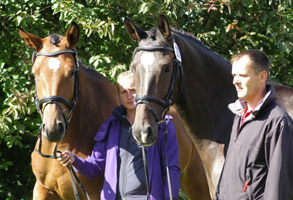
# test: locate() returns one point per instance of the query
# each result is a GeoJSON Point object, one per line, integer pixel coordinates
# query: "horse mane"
{"type": "Point", "coordinates": [88, 69]}
{"type": "Point", "coordinates": [94, 89]}
{"type": "Point", "coordinates": [204, 51]}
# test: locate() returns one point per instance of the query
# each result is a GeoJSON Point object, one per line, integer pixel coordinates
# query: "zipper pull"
{"type": "Point", "coordinates": [245, 186]}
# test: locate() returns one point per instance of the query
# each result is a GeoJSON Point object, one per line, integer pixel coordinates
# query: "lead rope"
{"type": "Point", "coordinates": [167, 167]}
{"type": "Point", "coordinates": [146, 172]}
{"type": "Point", "coordinates": [69, 167]}
{"type": "Point", "coordinates": [73, 175]}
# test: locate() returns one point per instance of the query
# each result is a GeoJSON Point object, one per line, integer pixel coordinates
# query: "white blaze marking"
{"type": "Point", "coordinates": [54, 64]}
{"type": "Point", "coordinates": [147, 59]}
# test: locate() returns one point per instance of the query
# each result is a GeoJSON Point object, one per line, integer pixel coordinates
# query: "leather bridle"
{"type": "Point", "coordinates": [70, 104]}
{"type": "Point", "coordinates": [57, 99]}
{"type": "Point", "coordinates": [166, 102]}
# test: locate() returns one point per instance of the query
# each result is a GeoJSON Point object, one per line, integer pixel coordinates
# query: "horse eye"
{"type": "Point", "coordinates": [72, 72]}
{"type": "Point", "coordinates": [167, 68]}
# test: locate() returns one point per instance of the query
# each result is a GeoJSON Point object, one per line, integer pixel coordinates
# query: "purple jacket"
{"type": "Point", "coordinates": [104, 158]}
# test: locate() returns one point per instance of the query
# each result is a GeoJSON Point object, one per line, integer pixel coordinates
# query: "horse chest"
{"type": "Point", "coordinates": [47, 171]}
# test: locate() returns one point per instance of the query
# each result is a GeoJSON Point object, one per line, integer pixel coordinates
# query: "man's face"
{"type": "Point", "coordinates": [127, 93]}
{"type": "Point", "coordinates": [249, 85]}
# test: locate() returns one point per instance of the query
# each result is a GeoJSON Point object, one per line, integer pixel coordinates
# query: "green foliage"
{"type": "Point", "coordinates": [226, 26]}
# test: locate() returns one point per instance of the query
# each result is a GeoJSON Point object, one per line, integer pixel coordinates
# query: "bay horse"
{"type": "Point", "coordinates": [174, 68]}
{"type": "Point", "coordinates": [71, 99]}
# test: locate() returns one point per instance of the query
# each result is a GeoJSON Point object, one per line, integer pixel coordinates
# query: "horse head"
{"type": "Point", "coordinates": [55, 68]}
{"type": "Point", "coordinates": [156, 68]}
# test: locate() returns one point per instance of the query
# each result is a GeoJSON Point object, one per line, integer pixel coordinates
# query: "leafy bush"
{"type": "Point", "coordinates": [226, 26]}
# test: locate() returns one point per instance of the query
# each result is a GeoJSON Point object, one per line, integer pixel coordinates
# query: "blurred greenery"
{"type": "Point", "coordinates": [225, 26]}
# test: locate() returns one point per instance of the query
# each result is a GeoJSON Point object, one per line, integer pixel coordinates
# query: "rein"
{"type": "Point", "coordinates": [166, 103]}
{"type": "Point", "coordinates": [43, 102]}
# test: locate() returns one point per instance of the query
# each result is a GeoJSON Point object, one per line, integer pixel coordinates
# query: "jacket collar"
{"type": "Point", "coordinates": [120, 113]}
{"type": "Point", "coordinates": [239, 106]}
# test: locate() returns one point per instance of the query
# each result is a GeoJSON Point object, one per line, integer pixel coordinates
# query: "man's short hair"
{"type": "Point", "coordinates": [259, 60]}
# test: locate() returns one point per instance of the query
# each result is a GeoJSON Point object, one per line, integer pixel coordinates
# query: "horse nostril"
{"type": "Point", "coordinates": [149, 132]}
{"type": "Point", "coordinates": [60, 127]}
{"type": "Point", "coordinates": [146, 135]}
{"type": "Point", "coordinates": [43, 127]}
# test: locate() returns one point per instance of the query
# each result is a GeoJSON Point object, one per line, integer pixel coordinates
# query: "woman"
{"type": "Point", "coordinates": [117, 154]}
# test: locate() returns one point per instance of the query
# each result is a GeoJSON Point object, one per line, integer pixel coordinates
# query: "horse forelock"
{"type": "Point", "coordinates": [55, 39]}
{"type": "Point", "coordinates": [154, 37]}
{"type": "Point", "coordinates": [152, 34]}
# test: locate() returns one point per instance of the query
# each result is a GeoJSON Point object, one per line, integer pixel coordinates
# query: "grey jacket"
{"type": "Point", "coordinates": [259, 161]}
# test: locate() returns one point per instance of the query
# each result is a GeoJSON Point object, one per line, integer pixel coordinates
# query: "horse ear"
{"type": "Point", "coordinates": [164, 27]}
{"type": "Point", "coordinates": [30, 40]}
{"type": "Point", "coordinates": [134, 31]}
{"type": "Point", "coordinates": [72, 34]}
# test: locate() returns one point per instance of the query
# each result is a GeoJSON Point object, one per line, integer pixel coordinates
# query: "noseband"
{"type": "Point", "coordinates": [167, 101]}
{"type": "Point", "coordinates": [43, 102]}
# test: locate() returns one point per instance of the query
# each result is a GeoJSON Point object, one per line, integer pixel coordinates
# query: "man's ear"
{"type": "Point", "coordinates": [264, 76]}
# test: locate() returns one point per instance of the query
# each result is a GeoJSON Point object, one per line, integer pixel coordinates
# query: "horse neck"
{"type": "Point", "coordinates": [207, 88]}
{"type": "Point", "coordinates": [95, 103]}
{"type": "Point", "coordinates": [202, 63]}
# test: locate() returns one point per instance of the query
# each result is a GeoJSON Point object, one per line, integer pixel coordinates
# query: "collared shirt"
{"type": "Point", "coordinates": [240, 107]}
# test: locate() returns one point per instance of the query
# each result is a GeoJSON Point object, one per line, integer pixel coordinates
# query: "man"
{"type": "Point", "coordinates": [259, 161]}
{"type": "Point", "coordinates": [117, 155]}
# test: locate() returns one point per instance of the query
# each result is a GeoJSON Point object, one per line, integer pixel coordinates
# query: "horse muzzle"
{"type": "Point", "coordinates": [54, 133]}
{"type": "Point", "coordinates": [53, 124]}
{"type": "Point", "coordinates": [145, 136]}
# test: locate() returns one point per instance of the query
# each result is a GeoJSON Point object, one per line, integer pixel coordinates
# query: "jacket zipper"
{"type": "Point", "coordinates": [125, 174]}
{"type": "Point", "coordinates": [125, 165]}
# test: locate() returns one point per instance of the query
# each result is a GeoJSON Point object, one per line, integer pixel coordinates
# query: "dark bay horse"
{"type": "Point", "coordinates": [72, 97]}
{"type": "Point", "coordinates": [173, 67]}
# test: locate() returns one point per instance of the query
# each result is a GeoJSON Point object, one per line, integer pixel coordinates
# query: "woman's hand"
{"type": "Point", "coordinates": [65, 158]}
